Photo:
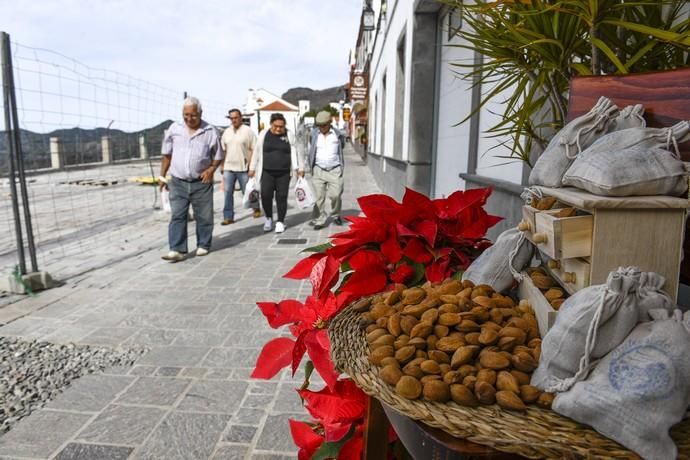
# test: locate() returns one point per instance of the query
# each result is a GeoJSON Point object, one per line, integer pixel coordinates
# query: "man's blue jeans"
{"type": "Point", "coordinates": [229, 178]}
{"type": "Point", "coordinates": [200, 196]}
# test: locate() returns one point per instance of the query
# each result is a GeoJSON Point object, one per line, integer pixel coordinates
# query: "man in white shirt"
{"type": "Point", "coordinates": [326, 162]}
{"type": "Point", "coordinates": [239, 142]}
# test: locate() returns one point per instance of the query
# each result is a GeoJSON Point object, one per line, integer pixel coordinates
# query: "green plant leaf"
{"type": "Point", "coordinates": [609, 54]}
{"type": "Point", "coordinates": [330, 450]}
{"type": "Point", "coordinates": [665, 35]}
{"type": "Point", "coordinates": [318, 248]}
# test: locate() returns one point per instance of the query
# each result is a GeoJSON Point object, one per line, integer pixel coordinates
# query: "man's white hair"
{"type": "Point", "coordinates": [192, 101]}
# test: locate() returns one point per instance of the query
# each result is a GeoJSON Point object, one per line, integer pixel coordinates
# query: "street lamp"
{"type": "Point", "coordinates": [368, 19]}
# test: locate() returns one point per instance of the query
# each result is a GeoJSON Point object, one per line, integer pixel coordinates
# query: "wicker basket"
{"type": "Point", "coordinates": [536, 433]}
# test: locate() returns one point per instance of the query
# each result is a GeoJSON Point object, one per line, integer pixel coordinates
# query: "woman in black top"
{"type": "Point", "coordinates": [275, 158]}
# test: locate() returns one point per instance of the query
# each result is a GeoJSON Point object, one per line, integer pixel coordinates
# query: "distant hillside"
{"type": "Point", "coordinates": [81, 145]}
{"type": "Point", "coordinates": [317, 98]}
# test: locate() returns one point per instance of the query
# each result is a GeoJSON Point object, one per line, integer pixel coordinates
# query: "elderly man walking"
{"type": "Point", "coordinates": [239, 142]}
{"type": "Point", "coordinates": [326, 161]}
{"type": "Point", "coordinates": [192, 152]}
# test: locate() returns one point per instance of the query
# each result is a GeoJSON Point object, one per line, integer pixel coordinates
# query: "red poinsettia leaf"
{"type": "Point", "coordinates": [461, 200]}
{"type": "Point", "coordinates": [305, 438]}
{"type": "Point", "coordinates": [426, 229]}
{"type": "Point", "coordinates": [365, 258]}
{"type": "Point", "coordinates": [379, 207]}
{"type": "Point", "coordinates": [303, 268]}
{"type": "Point", "coordinates": [280, 314]}
{"type": "Point", "coordinates": [321, 357]}
{"type": "Point", "coordinates": [390, 248]}
{"type": "Point", "coordinates": [274, 356]}
{"type": "Point", "coordinates": [417, 251]}
{"type": "Point", "coordinates": [324, 275]}
{"type": "Point", "coordinates": [402, 274]}
{"type": "Point", "coordinates": [479, 225]}
{"type": "Point", "coordinates": [438, 270]}
{"type": "Point", "coordinates": [353, 449]}
{"type": "Point", "coordinates": [368, 280]}
{"type": "Point", "coordinates": [337, 405]}
{"type": "Point", "coordinates": [298, 352]}
{"type": "Point", "coordinates": [416, 206]}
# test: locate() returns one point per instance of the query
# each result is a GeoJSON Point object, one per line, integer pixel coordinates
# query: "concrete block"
{"type": "Point", "coordinates": [36, 281]}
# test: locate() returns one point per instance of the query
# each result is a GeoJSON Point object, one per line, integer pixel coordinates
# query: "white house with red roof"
{"type": "Point", "coordinates": [261, 104]}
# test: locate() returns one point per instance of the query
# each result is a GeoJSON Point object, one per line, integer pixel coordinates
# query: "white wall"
{"type": "Point", "coordinates": [454, 104]}
{"type": "Point", "coordinates": [489, 150]}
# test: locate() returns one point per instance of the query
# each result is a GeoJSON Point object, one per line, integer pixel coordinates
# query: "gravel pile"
{"type": "Point", "coordinates": [32, 373]}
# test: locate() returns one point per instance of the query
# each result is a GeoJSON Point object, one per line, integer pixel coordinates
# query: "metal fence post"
{"type": "Point", "coordinates": [9, 75]}
{"type": "Point", "coordinates": [7, 69]}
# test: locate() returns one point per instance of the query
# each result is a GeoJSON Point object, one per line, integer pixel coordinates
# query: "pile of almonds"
{"type": "Point", "coordinates": [548, 286]}
{"type": "Point", "coordinates": [454, 341]}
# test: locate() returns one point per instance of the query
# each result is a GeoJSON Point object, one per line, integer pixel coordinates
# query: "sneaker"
{"type": "Point", "coordinates": [280, 227]}
{"type": "Point", "coordinates": [201, 252]}
{"type": "Point", "coordinates": [173, 256]}
{"type": "Point", "coordinates": [338, 221]}
{"type": "Point", "coordinates": [257, 213]}
{"type": "Point", "coordinates": [268, 225]}
{"type": "Point", "coordinates": [227, 222]}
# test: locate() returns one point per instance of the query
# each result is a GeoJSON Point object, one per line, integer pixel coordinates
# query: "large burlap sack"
{"type": "Point", "coordinates": [640, 390]}
{"type": "Point", "coordinates": [500, 264]}
{"type": "Point", "coordinates": [570, 141]}
{"type": "Point", "coordinates": [630, 117]}
{"type": "Point", "coordinates": [594, 321]}
{"type": "Point", "coordinates": [636, 170]}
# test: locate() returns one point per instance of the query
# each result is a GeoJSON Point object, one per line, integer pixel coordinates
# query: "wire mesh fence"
{"type": "Point", "coordinates": [86, 133]}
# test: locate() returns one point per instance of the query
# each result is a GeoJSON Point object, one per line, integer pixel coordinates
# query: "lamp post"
{"type": "Point", "coordinates": [368, 18]}
{"type": "Point", "coordinates": [259, 101]}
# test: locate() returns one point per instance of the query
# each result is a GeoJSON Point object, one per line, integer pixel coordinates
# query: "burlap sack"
{"type": "Point", "coordinates": [570, 141]}
{"type": "Point", "coordinates": [500, 264]}
{"type": "Point", "coordinates": [630, 117]}
{"type": "Point", "coordinates": [636, 170]}
{"type": "Point", "coordinates": [593, 322]}
{"type": "Point", "coordinates": [640, 390]}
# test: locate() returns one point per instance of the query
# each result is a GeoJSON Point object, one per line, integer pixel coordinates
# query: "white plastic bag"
{"type": "Point", "coordinates": [165, 200]}
{"type": "Point", "coordinates": [304, 196]}
{"type": "Point", "coordinates": [252, 194]}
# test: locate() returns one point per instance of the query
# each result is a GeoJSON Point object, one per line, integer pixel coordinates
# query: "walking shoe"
{"type": "Point", "coordinates": [201, 252]}
{"type": "Point", "coordinates": [227, 222]}
{"type": "Point", "coordinates": [268, 225]}
{"type": "Point", "coordinates": [318, 226]}
{"type": "Point", "coordinates": [280, 227]}
{"type": "Point", "coordinates": [173, 256]}
{"type": "Point", "coordinates": [257, 213]}
{"type": "Point", "coordinates": [338, 221]}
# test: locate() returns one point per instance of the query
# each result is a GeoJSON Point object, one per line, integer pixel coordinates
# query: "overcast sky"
{"type": "Point", "coordinates": [214, 49]}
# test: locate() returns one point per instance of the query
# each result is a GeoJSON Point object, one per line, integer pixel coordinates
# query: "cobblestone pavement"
{"type": "Point", "coordinates": [190, 396]}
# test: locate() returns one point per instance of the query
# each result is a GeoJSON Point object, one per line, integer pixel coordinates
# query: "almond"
{"type": "Point", "coordinates": [405, 354]}
{"type": "Point", "coordinates": [463, 355]}
{"type": "Point", "coordinates": [431, 342]}
{"type": "Point", "coordinates": [413, 371]}
{"type": "Point", "coordinates": [519, 334]}
{"type": "Point", "coordinates": [430, 316]}
{"type": "Point", "coordinates": [487, 375]}
{"type": "Point", "coordinates": [472, 338]}
{"type": "Point", "coordinates": [441, 331]}
{"type": "Point", "coordinates": [413, 296]}
{"type": "Point", "coordinates": [557, 303]}
{"type": "Point", "coordinates": [390, 374]}
{"type": "Point", "coordinates": [392, 298]}
{"type": "Point", "coordinates": [493, 360]}
{"type": "Point", "coordinates": [416, 310]}
{"type": "Point", "coordinates": [466, 370]}
{"type": "Point", "coordinates": [381, 352]}
{"type": "Point", "coordinates": [469, 381]}
{"type": "Point", "coordinates": [484, 301]}
{"type": "Point", "coordinates": [545, 400]}
{"type": "Point", "coordinates": [449, 319]}
{"type": "Point", "coordinates": [385, 339]}
{"type": "Point", "coordinates": [529, 393]}
{"type": "Point", "coordinates": [388, 361]}
{"type": "Point", "coordinates": [439, 356]}
{"type": "Point", "coordinates": [463, 396]}
{"type": "Point", "coordinates": [565, 212]}
{"type": "Point", "coordinates": [467, 284]}
{"type": "Point", "coordinates": [449, 298]}
{"type": "Point", "coordinates": [553, 293]}
{"type": "Point", "coordinates": [436, 390]}
{"type": "Point", "coordinates": [393, 325]}
{"type": "Point", "coordinates": [445, 368]}
{"type": "Point", "coordinates": [429, 378]}
{"type": "Point", "coordinates": [450, 287]}
{"type": "Point", "coordinates": [430, 367]}
{"type": "Point", "coordinates": [448, 308]}
{"type": "Point", "coordinates": [509, 400]}
{"type": "Point", "coordinates": [496, 315]}
{"type": "Point", "coordinates": [519, 323]}
{"type": "Point", "coordinates": [421, 354]}
{"type": "Point", "coordinates": [401, 341]}
{"type": "Point", "coordinates": [408, 387]}
{"type": "Point", "coordinates": [417, 342]}
{"type": "Point", "coordinates": [506, 381]}
{"type": "Point", "coordinates": [485, 392]}
{"type": "Point", "coordinates": [524, 362]}
{"type": "Point", "coordinates": [507, 343]}
{"type": "Point", "coordinates": [375, 334]}
{"type": "Point", "coordinates": [362, 305]}
{"type": "Point", "coordinates": [382, 322]}
{"type": "Point", "coordinates": [407, 322]}
{"type": "Point", "coordinates": [467, 325]}
{"type": "Point", "coordinates": [521, 377]}
{"type": "Point", "coordinates": [544, 203]}
{"type": "Point", "coordinates": [449, 344]}
{"type": "Point", "coordinates": [488, 336]}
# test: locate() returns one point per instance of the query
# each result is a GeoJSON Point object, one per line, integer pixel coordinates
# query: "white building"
{"type": "Point", "coordinates": [261, 104]}
{"type": "Point", "coordinates": [416, 99]}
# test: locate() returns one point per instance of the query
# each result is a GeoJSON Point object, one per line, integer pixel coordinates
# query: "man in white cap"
{"type": "Point", "coordinates": [326, 161]}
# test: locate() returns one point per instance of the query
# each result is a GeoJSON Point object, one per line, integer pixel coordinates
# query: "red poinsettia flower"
{"type": "Point", "coordinates": [305, 438]}
{"type": "Point", "coordinates": [337, 408]}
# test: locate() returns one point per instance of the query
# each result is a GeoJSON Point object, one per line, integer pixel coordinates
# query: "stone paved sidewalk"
{"type": "Point", "coordinates": [189, 397]}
